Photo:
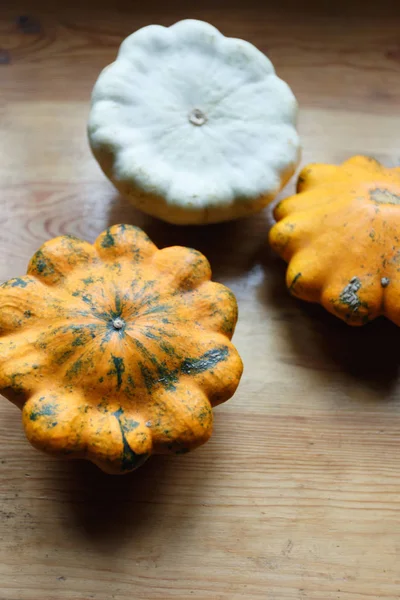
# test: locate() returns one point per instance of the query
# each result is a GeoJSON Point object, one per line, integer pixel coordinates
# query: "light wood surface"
{"type": "Point", "coordinates": [297, 494]}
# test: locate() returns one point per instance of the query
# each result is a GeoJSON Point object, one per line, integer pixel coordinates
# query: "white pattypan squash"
{"type": "Point", "coordinates": [192, 126]}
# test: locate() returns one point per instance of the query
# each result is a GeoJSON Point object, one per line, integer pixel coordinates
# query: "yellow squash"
{"type": "Point", "coordinates": [340, 235]}
{"type": "Point", "coordinates": [117, 350]}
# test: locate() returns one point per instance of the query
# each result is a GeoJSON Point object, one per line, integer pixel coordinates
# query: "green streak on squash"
{"type": "Point", "coordinates": [193, 366]}
{"type": "Point", "coordinates": [129, 459]}
{"type": "Point", "coordinates": [107, 240]}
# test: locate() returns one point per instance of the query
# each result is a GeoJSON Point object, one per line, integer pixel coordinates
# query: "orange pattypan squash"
{"type": "Point", "coordinates": [117, 350]}
{"type": "Point", "coordinates": [340, 235]}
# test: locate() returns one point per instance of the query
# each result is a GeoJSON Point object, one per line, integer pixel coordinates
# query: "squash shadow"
{"type": "Point", "coordinates": [108, 510]}
{"type": "Point", "coordinates": [324, 342]}
{"type": "Point", "coordinates": [230, 246]}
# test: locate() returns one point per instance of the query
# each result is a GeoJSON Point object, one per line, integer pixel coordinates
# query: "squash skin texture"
{"type": "Point", "coordinates": [118, 350]}
{"type": "Point", "coordinates": [340, 235]}
{"type": "Point", "coordinates": [144, 131]}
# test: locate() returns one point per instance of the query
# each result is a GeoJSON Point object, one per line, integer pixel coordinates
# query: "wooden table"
{"type": "Point", "coordinates": [297, 494]}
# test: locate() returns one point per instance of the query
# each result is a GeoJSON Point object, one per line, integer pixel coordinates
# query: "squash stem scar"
{"type": "Point", "coordinates": [197, 117]}
{"type": "Point", "coordinates": [118, 323]}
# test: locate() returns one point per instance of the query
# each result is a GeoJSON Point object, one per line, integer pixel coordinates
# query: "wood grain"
{"type": "Point", "coordinates": [297, 494]}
